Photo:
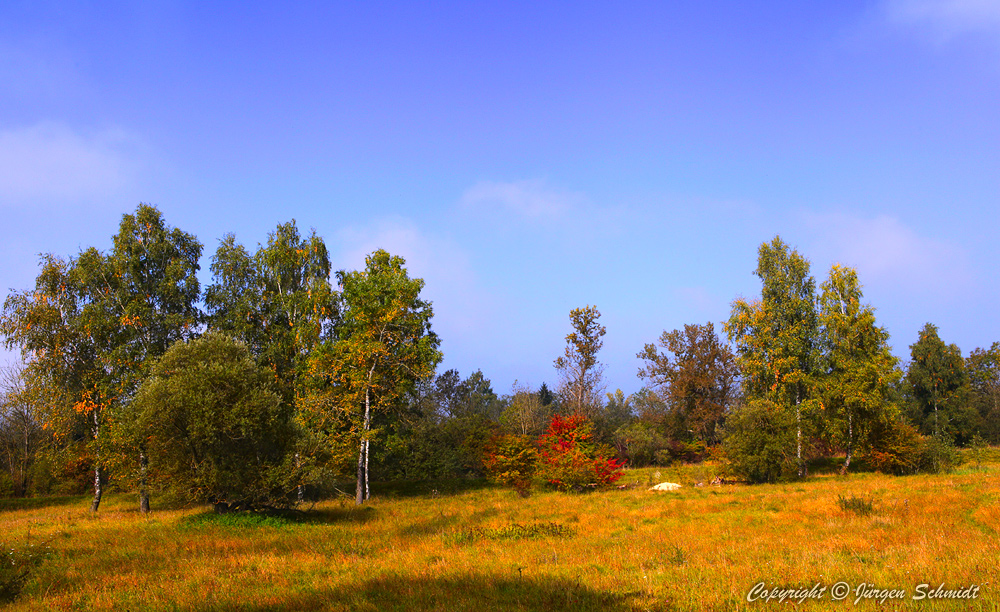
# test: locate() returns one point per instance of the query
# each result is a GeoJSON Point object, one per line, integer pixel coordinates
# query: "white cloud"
{"type": "Point", "coordinates": [460, 305]}
{"type": "Point", "coordinates": [885, 250]}
{"type": "Point", "coordinates": [532, 199]}
{"type": "Point", "coordinates": [51, 163]}
{"type": "Point", "coordinates": [946, 19]}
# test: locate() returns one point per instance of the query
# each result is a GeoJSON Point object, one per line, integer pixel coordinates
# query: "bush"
{"type": "Point", "coordinates": [688, 452]}
{"type": "Point", "coordinates": [759, 442]}
{"type": "Point", "coordinates": [639, 443]}
{"type": "Point", "coordinates": [937, 455]}
{"type": "Point", "coordinates": [571, 460]}
{"type": "Point", "coordinates": [215, 430]}
{"type": "Point", "coordinates": [512, 461]}
{"type": "Point", "coordinates": [16, 566]}
{"type": "Point", "coordinates": [857, 505]}
{"type": "Point", "coordinates": [896, 448]}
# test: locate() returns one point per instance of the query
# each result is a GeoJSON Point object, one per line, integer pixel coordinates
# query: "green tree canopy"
{"type": "Point", "coordinates": [937, 385]}
{"type": "Point", "coordinates": [383, 345]}
{"type": "Point", "coordinates": [278, 301]}
{"type": "Point", "coordinates": [95, 323]}
{"type": "Point", "coordinates": [216, 429]}
{"type": "Point", "coordinates": [983, 367]}
{"type": "Point", "coordinates": [697, 377]}
{"type": "Point", "coordinates": [777, 337]}
{"type": "Point", "coordinates": [860, 370]}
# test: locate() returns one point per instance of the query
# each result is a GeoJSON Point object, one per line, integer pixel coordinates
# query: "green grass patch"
{"type": "Point", "coordinates": [858, 505]}
{"type": "Point", "coordinates": [514, 531]}
{"type": "Point", "coordinates": [236, 520]}
{"type": "Point", "coordinates": [17, 563]}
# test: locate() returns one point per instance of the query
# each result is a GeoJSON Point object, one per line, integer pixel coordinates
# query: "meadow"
{"type": "Point", "coordinates": [465, 545]}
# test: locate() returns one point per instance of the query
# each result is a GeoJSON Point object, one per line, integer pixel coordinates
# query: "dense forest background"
{"type": "Point", "coordinates": [284, 380]}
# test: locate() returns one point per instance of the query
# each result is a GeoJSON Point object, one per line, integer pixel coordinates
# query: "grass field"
{"type": "Point", "coordinates": [465, 546]}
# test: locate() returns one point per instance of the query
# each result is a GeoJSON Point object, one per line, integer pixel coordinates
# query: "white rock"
{"type": "Point", "coordinates": [666, 486]}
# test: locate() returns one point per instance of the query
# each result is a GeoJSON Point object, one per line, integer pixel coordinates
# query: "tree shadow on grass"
{"type": "Point", "coordinates": [474, 593]}
{"type": "Point", "coordinates": [35, 503]}
{"type": "Point", "coordinates": [428, 488]}
{"type": "Point", "coordinates": [333, 516]}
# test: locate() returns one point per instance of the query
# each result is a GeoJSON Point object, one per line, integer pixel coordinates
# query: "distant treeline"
{"type": "Point", "coordinates": [284, 380]}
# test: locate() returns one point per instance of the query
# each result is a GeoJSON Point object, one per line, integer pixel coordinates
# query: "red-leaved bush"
{"type": "Point", "coordinates": [569, 458]}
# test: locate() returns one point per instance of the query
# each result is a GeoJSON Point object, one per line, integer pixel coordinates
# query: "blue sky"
{"type": "Point", "coordinates": [528, 158]}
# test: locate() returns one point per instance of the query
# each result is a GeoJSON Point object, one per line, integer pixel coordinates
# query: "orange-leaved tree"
{"type": "Point", "coordinates": [383, 343]}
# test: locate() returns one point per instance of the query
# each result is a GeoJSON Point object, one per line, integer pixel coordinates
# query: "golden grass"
{"type": "Point", "coordinates": [699, 548]}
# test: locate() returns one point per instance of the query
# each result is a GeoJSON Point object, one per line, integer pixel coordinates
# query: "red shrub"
{"type": "Point", "coordinates": [569, 457]}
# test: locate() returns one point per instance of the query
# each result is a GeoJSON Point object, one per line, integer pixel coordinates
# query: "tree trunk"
{"type": "Point", "coordinates": [798, 434]}
{"type": "Point", "coordinates": [143, 491]}
{"type": "Point", "coordinates": [361, 495]}
{"type": "Point", "coordinates": [850, 444]}
{"type": "Point", "coordinates": [97, 467]}
{"type": "Point", "coordinates": [301, 492]}
{"type": "Point", "coordinates": [97, 489]}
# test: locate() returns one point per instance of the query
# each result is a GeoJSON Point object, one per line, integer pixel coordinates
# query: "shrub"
{"type": "Point", "coordinates": [16, 566]}
{"type": "Point", "coordinates": [688, 452]}
{"type": "Point", "coordinates": [937, 454]}
{"type": "Point", "coordinates": [571, 460]}
{"type": "Point", "coordinates": [514, 531]}
{"type": "Point", "coordinates": [896, 448]}
{"type": "Point", "coordinates": [760, 442]}
{"type": "Point", "coordinates": [215, 429]}
{"type": "Point", "coordinates": [512, 461]}
{"type": "Point", "coordinates": [639, 443]}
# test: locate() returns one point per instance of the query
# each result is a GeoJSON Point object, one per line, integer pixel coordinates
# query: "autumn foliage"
{"type": "Point", "coordinates": [565, 456]}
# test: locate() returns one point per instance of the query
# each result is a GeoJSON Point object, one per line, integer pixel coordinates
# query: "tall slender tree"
{"type": "Point", "coordinates": [581, 372]}
{"type": "Point", "coordinates": [108, 317]}
{"type": "Point", "coordinates": [860, 370]}
{"type": "Point", "coordinates": [383, 345]}
{"type": "Point", "coordinates": [777, 337]}
{"type": "Point", "coordinates": [279, 302]}
{"type": "Point", "coordinates": [61, 352]}
{"type": "Point", "coordinates": [149, 290]}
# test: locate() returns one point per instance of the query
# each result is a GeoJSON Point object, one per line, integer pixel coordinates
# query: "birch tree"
{"type": "Point", "coordinates": [60, 351]}
{"type": "Point", "coordinates": [860, 370]}
{"type": "Point", "coordinates": [95, 323]}
{"type": "Point", "coordinates": [145, 298]}
{"type": "Point", "coordinates": [776, 337]}
{"type": "Point", "coordinates": [279, 302]}
{"type": "Point", "coordinates": [383, 345]}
